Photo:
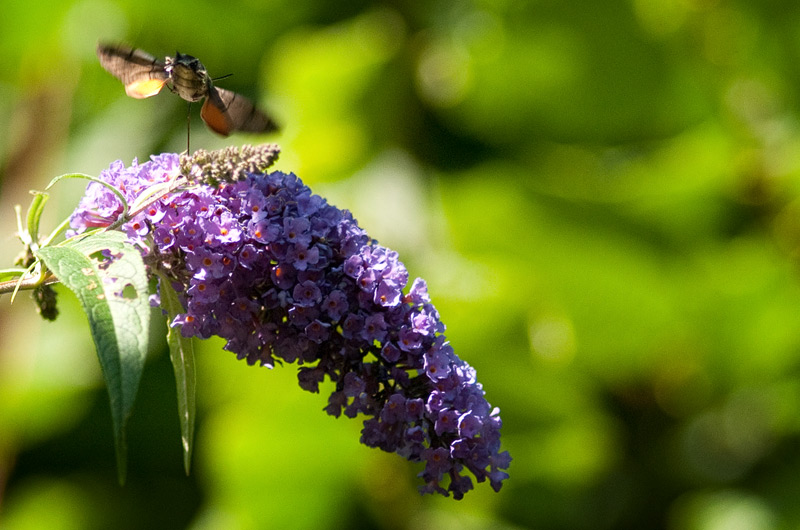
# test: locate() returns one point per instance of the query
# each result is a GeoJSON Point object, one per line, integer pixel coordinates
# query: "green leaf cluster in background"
{"type": "Point", "coordinates": [602, 197]}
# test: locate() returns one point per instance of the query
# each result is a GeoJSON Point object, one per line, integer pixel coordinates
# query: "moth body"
{"type": "Point", "coordinates": [188, 77]}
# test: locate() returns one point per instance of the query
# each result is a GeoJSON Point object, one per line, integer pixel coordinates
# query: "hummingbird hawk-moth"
{"type": "Point", "coordinates": [143, 75]}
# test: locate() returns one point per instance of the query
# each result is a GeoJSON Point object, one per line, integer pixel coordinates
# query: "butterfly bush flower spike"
{"type": "Point", "coordinates": [285, 277]}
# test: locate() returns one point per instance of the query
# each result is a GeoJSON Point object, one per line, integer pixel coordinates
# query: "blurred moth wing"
{"type": "Point", "coordinates": [225, 111]}
{"type": "Point", "coordinates": [142, 74]}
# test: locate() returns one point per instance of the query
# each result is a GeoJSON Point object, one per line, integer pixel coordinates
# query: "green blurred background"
{"type": "Point", "coordinates": [603, 197]}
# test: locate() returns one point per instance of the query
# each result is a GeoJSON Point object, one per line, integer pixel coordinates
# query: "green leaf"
{"type": "Point", "coordinates": [12, 274]}
{"type": "Point", "coordinates": [114, 296]}
{"type": "Point", "coordinates": [181, 354]}
{"type": "Point", "coordinates": [35, 214]}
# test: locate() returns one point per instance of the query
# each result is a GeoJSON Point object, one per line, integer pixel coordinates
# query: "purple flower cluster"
{"type": "Point", "coordinates": [283, 276]}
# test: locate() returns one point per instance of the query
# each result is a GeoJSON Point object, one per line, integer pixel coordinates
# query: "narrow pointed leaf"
{"type": "Point", "coordinates": [181, 354]}
{"type": "Point", "coordinates": [11, 274]}
{"type": "Point", "coordinates": [35, 214]}
{"type": "Point", "coordinates": [114, 296]}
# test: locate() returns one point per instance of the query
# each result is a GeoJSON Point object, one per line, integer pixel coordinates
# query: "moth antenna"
{"type": "Point", "coordinates": [221, 77]}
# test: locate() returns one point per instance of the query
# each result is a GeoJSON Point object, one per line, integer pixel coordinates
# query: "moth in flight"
{"type": "Point", "coordinates": [143, 76]}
